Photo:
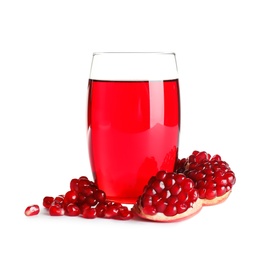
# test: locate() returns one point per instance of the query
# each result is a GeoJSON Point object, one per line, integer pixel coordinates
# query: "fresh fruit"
{"type": "Point", "coordinates": [212, 176]}
{"type": "Point", "coordinates": [168, 197]}
{"type": "Point", "coordinates": [32, 210]}
{"type": "Point", "coordinates": [198, 180]}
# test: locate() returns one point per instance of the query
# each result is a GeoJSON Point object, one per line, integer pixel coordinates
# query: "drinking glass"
{"type": "Point", "coordinates": [133, 120]}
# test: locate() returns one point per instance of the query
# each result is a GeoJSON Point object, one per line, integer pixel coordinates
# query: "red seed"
{"type": "Point", "coordinates": [83, 183]}
{"type": "Point", "coordinates": [72, 210]}
{"type": "Point", "coordinates": [181, 207]}
{"type": "Point", "coordinates": [70, 197]}
{"type": "Point", "coordinates": [59, 200]}
{"type": "Point", "coordinates": [124, 213]}
{"type": "Point", "coordinates": [74, 185]}
{"type": "Point", "coordinates": [170, 210]}
{"type": "Point", "coordinates": [32, 210]}
{"type": "Point", "coordinates": [89, 213]}
{"type": "Point", "coordinates": [161, 206]}
{"type": "Point", "coordinates": [56, 210]}
{"type": "Point", "coordinates": [210, 194]}
{"type": "Point", "coordinates": [161, 175]}
{"type": "Point", "coordinates": [101, 209]}
{"type": "Point", "coordinates": [111, 211]}
{"type": "Point", "coordinates": [47, 201]}
{"type": "Point", "coordinates": [100, 196]}
{"type": "Point", "coordinates": [175, 189]}
{"type": "Point", "coordinates": [147, 200]}
{"type": "Point", "coordinates": [149, 210]}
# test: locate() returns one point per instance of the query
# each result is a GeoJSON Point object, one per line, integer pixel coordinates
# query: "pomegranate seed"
{"type": "Point", "coordinates": [72, 210]}
{"type": "Point", "coordinates": [100, 196]}
{"type": "Point", "coordinates": [170, 210]}
{"type": "Point", "coordinates": [124, 213]}
{"type": "Point", "coordinates": [101, 209]}
{"type": "Point", "coordinates": [70, 197]}
{"type": "Point", "coordinates": [175, 189]}
{"type": "Point", "coordinates": [147, 200]}
{"type": "Point", "coordinates": [74, 185]}
{"type": "Point", "coordinates": [155, 199]}
{"type": "Point", "coordinates": [168, 182]}
{"type": "Point", "coordinates": [161, 175]}
{"type": "Point", "coordinates": [56, 210]}
{"type": "Point", "coordinates": [59, 201]}
{"type": "Point", "coordinates": [149, 210]}
{"type": "Point", "coordinates": [181, 207]}
{"type": "Point", "coordinates": [82, 184]}
{"type": "Point", "coordinates": [47, 201]}
{"type": "Point", "coordinates": [89, 213]}
{"type": "Point", "coordinates": [161, 205]}
{"type": "Point", "coordinates": [149, 191]}
{"type": "Point", "coordinates": [183, 196]}
{"type": "Point", "coordinates": [111, 211]}
{"type": "Point", "coordinates": [83, 178]}
{"type": "Point", "coordinates": [32, 210]}
{"type": "Point", "coordinates": [221, 191]}
{"type": "Point", "coordinates": [81, 198]}
{"type": "Point", "coordinates": [91, 200]}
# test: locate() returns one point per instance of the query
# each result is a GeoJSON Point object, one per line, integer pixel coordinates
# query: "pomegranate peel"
{"type": "Point", "coordinates": [217, 200]}
{"type": "Point", "coordinates": [160, 217]}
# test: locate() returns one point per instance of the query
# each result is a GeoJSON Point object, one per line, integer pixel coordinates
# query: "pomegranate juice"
{"type": "Point", "coordinates": [133, 132]}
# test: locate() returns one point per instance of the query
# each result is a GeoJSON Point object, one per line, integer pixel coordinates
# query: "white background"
{"type": "Point", "coordinates": [45, 54]}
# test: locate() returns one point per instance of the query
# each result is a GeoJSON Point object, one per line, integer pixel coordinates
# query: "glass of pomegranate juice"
{"type": "Point", "coordinates": [133, 120]}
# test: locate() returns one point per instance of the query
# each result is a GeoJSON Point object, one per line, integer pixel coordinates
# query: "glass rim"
{"type": "Point", "coordinates": [133, 66]}
{"type": "Point", "coordinates": [134, 52]}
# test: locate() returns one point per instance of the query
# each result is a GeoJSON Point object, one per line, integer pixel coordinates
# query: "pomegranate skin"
{"type": "Point", "coordinates": [160, 217]}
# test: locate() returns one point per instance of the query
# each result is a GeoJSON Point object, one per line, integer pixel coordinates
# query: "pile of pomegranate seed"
{"type": "Point", "coordinates": [83, 199]}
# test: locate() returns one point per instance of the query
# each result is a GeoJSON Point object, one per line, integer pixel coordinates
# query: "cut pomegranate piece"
{"type": "Point", "coordinates": [168, 197]}
{"type": "Point", "coordinates": [32, 210]}
{"type": "Point", "coordinates": [212, 176]}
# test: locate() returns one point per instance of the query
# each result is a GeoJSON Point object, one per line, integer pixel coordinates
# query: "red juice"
{"type": "Point", "coordinates": [133, 132]}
